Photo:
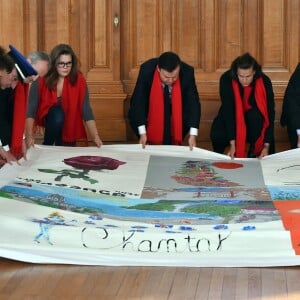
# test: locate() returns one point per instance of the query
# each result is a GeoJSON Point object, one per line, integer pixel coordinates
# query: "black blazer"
{"type": "Point", "coordinates": [139, 103]}
{"type": "Point", "coordinates": [290, 115]}
{"type": "Point", "coordinates": [227, 110]}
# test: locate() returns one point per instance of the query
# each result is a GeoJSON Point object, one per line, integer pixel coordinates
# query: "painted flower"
{"type": "Point", "coordinates": [89, 162]}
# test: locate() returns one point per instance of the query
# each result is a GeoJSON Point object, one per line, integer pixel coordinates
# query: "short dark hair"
{"type": "Point", "coordinates": [168, 61]}
{"type": "Point", "coordinates": [6, 62]}
{"type": "Point", "coordinates": [245, 61]}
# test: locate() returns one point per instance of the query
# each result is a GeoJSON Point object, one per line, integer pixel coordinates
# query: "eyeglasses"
{"type": "Point", "coordinates": [63, 64]}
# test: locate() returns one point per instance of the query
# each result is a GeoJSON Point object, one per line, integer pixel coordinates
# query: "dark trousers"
{"type": "Point", "coordinates": [53, 126]}
{"type": "Point", "coordinates": [254, 125]}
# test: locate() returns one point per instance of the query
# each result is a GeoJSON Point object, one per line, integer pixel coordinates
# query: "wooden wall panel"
{"type": "Point", "coordinates": [186, 35]}
{"type": "Point", "coordinates": [207, 34]}
{"type": "Point", "coordinates": [251, 26]}
{"type": "Point", "coordinates": [272, 33]}
{"type": "Point", "coordinates": [56, 22]}
{"type": "Point", "coordinates": [12, 18]}
{"type": "Point", "coordinates": [145, 29]}
{"type": "Point", "coordinates": [88, 27]}
{"type": "Point", "coordinates": [104, 77]}
{"type": "Point", "coordinates": [229, 35]}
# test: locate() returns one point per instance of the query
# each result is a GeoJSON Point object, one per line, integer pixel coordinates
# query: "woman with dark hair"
{"type": "Point", "coordinates": [247, 111]}
{"type": "Point", "coordinates": [59, 102]}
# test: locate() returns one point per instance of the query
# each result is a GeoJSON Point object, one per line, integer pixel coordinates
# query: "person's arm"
{"type": "Point", "coordinates": [195, 112]}
{"type": "Point", "coordinates": [92, 128]}
{"type": "Point", "coordinates": [139, 102]}
{"type": "Point", "coordinates": [231, 151]}
{"type": "Point", "coordinates": [6, 155]}
{"type": "Point", "coordinates": [269, 135]}
{"type": "Point", "coordinates": [191, 99]}
{"type": "Point", "coordinates": [142, 136]}
{"type": "Point", "coordinates": [31, 112]}
{"type": "Point", "coordinates": [227, 111]}
{"type": "Point", "coordinates": [227, 105]}
{"type": "Point", "coordinates": [265, 151]}
{"type": "Point", "coordinates": [298, 140]}
{"type": "Point", "coordinates": [291, 102]}
{"type": "Point", "coordinates": [191, 105]}
{"type": "Point", "coordinates": [29, 138]}
{"type": "Point", "coordinates": [89, 119]}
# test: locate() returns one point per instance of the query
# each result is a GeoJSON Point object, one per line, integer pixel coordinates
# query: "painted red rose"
{"type": "Point", "coordinates": [89, 162]}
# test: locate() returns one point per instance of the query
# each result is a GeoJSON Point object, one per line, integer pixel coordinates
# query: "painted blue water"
{"type": "Point", "coordinates": [118, 207]}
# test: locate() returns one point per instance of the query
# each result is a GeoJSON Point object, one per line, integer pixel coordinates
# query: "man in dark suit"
{"type": "Point", "coordinates": [8, 76]}
{"type": "Point", "coordinates": [165, 104]}
{"type": "Point", "coordinates": [290, 116]}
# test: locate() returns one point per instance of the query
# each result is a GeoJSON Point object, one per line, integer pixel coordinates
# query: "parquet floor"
{"type": "Point", "coordinates": [20, 280]}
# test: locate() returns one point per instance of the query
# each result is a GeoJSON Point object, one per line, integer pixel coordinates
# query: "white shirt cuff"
{"type": "Point", "coordinates": [298, 131]}
{"type": "Point", "coordinates": [6, 147]}
{"type": "Point", "coordinates": [193, 131]}
{"type": "Point", "coordinates": [142, 129]}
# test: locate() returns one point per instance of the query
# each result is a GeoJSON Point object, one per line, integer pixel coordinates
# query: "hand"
{"type": "Point", "coordinates": [231, 151]}
{"type": "Point", "coordinates": [7, 156]}
{"type": "Point", "coordinates": [192, 142]}
{"type": "Point", "coordinates": [29, 141]}
{"type": "Point", "coordinates": [29, 79]}
{"type": "Point", "coordinates": [98, 141]}
{"type": "Point", "coordinates": [143, 140]}
{"type": "Point", "coordinates": [264, 152]}
{"type": "Point", "coordinates": [2, 159]}
{"type": "Point", "coordinates": [2, 162]}
{"type": "Point", "coordinates": [24, 149]}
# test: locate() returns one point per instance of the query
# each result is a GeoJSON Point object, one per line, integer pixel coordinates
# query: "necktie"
{"type": "Point", "coordinates": [167, 117]}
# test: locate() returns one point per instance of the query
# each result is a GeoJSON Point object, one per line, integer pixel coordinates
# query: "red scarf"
{"type": "Point", "coordinates": [19, 116]}
{"type": "Point", "coordinates": [155, 126]}
{"type": "Point", "coordinates": [72, 103]}
{"type": "Point", "coordinates": [246, 96]}
{"type": "Point", "coordinates": [241, 131]}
